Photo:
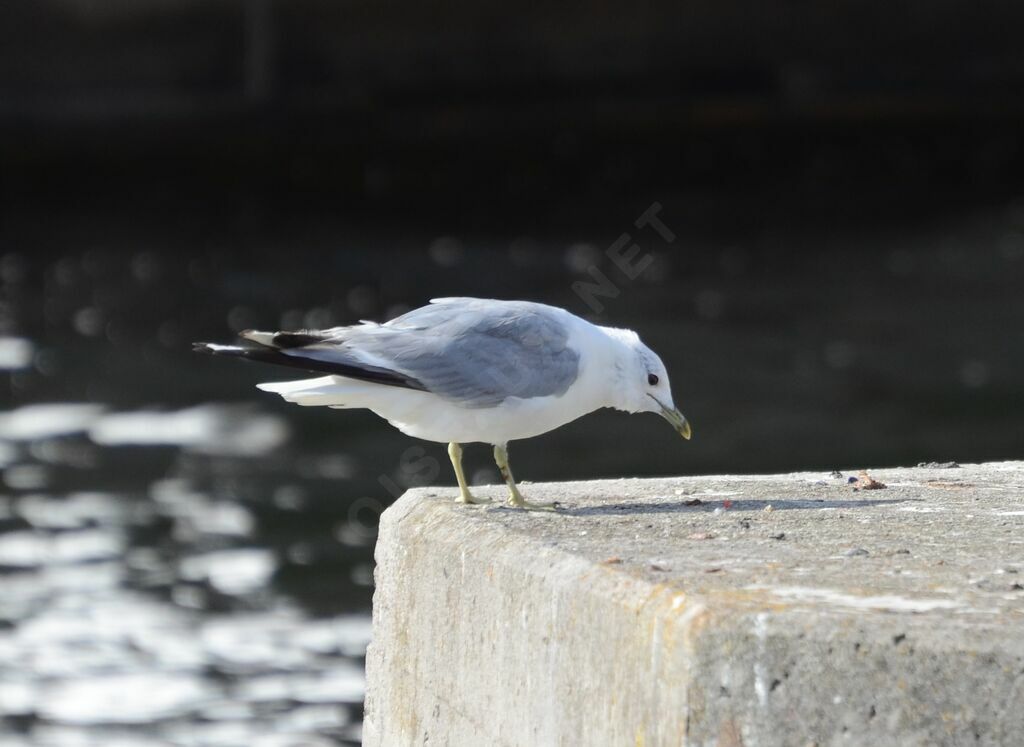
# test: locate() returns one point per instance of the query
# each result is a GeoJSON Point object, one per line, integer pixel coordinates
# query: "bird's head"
{"type": "Point", "coordinates": [641, 381]}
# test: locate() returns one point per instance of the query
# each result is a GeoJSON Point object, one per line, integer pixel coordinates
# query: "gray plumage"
{"type": "Point", "coordinates": [469, 352]}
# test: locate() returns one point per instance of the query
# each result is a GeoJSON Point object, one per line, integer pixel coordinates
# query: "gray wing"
{"type": "Point", "coordinates": [473, 352]}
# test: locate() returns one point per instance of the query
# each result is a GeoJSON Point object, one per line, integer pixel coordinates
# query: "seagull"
{"type": "Point", "coordinates": [470, 370]}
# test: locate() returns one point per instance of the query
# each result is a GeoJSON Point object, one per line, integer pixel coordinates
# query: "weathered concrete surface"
{"type": "Point", "coordinates": [779, 610]}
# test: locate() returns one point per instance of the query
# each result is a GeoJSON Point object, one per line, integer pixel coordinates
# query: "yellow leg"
{"type": "Point", "coordinates": [515, 498]}
{"type": "Point", "coordinates": [455, 453]}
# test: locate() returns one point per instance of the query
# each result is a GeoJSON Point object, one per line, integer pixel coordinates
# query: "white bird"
{"type": "Point", "coordinates": [464, 370]}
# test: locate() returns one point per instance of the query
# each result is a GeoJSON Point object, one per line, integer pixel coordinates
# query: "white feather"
{"type": "Point", "coordinates": [325, 391]}
{"type": "Point", "coordinates": [263, 338]}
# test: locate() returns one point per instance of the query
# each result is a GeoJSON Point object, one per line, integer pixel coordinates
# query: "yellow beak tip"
{"type": "Point", "coordinates": [678, 421]}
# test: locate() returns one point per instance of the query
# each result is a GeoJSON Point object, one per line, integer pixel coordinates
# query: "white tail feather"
{"type": "Point", "coordinates": [330, 391]}
{"type": "Point", "coordinates": [263, 338]}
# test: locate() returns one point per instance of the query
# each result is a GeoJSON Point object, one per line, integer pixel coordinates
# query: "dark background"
{"type": "Point", "coordinates": [844, 182]}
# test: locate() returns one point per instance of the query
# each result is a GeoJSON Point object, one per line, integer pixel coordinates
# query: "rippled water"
{"type": "Point", "coordinates": [151, 614]}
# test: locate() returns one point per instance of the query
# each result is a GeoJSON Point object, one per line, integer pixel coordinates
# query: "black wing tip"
{"type": "Point", "coordinates": [283, 340]}
{"type": "Point", "coordinates": [264, 354]}
{"type": "Point", "coordinates": [297, 339]}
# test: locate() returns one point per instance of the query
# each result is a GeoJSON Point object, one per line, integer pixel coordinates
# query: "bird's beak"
{"type": "Point", "coordinates": [676, 418]}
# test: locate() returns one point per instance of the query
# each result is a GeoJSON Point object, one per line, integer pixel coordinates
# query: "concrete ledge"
{"type": "Point", "coordinates": [753, 610]}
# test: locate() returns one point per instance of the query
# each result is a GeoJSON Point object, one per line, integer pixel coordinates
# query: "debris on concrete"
{"type": "Point", "coordinates": [864, 481]}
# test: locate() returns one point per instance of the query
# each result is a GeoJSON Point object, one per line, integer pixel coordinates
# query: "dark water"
{"type": "Point", "coordinates": [187, 561]}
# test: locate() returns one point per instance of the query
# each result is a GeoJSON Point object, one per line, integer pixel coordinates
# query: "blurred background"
{"type": "Point", "coordinates": [834, 282]}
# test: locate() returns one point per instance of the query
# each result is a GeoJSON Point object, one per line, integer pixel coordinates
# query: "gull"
{"type": "Point", "coordinates": [470, 370]}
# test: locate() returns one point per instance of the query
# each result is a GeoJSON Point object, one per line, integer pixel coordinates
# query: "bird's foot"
{"type": "Point", "coordinates": [468, 499]}
{"type": "Point", "coordinates": [516, 500]}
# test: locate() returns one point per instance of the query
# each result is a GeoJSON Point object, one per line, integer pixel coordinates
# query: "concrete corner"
{"type": "Point", "coordinates": [734, 610]}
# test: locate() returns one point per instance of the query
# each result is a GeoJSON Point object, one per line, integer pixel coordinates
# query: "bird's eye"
{"type": "Point", "coordinates": [652, 379]}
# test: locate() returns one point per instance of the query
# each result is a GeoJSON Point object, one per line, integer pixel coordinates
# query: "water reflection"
{"type": "Point", "coordinates": [161, 613]}
{"type": "Point", "coordinates": [210, 429]}
{"type": "Point", "coordinates": [15, 353]}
